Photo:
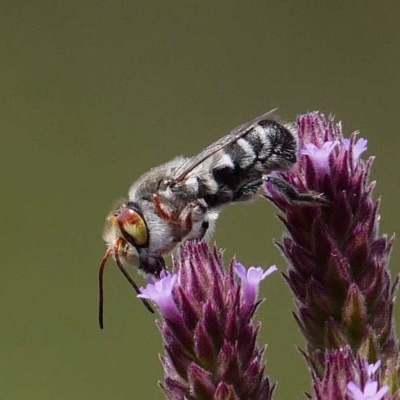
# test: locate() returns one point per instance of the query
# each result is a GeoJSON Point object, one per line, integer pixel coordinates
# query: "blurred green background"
{"type": "Point", "coordinates": [94, 93]}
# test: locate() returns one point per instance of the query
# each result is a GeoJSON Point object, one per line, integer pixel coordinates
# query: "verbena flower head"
{"type": "Point", "coordinates": [209, 337]}
{"type": "Point", "coordinates": [338, 261]}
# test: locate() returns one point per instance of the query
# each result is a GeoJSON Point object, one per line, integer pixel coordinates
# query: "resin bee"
{"type": "Point", "coordinates": [181, 200]}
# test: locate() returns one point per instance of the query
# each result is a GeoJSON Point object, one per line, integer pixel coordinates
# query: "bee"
{"type": "Point", "coordinates": [181, 200]}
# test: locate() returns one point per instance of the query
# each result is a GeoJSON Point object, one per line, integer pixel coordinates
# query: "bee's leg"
{"type": "Point", "coordinates": [203, 230]}
{"type": "Point", "coordinates": [186, 217]}
{"type": "Point", "coordinates": [193, 212]}
{"type": "Point", "coordinates": [310, 198]}
{"type": "Point", "coordinates": [248, 191]}
{"type": "Point", "coordinates": [163, 210]}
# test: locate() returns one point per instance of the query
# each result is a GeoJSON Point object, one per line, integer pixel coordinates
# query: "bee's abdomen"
{"type": "Point", "coordinates": [237, 169]}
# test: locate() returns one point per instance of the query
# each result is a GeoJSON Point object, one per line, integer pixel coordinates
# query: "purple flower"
{"type": "Point", "coordinates": [250, 282]}
{"type": "Point", "coordinates": [209, 338]}
{"type": "Point", "coordinates": [319, 156]}
{"type": "Point", "coordinates": [338, 260]}
{"type": "Point", "coordinates": [370, 391]}
{"type": "Point", "coordinates": [160, 292]}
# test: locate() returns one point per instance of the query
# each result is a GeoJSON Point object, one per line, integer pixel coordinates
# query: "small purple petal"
{"type": "Point", "coordinates": [160, 292]}
{"type": "Point", "coordinates": [241, 271]}
{"type": "Point", "coordinates": [359, 147]}
{"type": "Point", "coordinates": [354, 391]}
{"type": "Point", "coordinates": [269, 271]}
{"type": "Point", "coordinates": [382, 391]}
{"type": "Point", "coordinates": [372, 368]}
{"type": "Point", "coordinates": [152, 279]}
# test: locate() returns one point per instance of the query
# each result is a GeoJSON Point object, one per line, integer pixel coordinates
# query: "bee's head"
{"type": "Point", "coordinates": [128, 237]}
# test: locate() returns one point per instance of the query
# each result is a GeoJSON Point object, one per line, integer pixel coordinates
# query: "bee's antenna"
{"type": "Point", "coordinates": [131, 281]}
{"type": "Point", "coordinates": [101, 292]}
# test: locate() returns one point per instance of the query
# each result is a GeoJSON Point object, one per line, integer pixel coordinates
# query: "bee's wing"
{"type": "Point", "coordinates": [184, 169]}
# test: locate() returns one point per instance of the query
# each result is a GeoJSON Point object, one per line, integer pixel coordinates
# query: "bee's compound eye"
{"type": "Point", "coordinates": [133, 227]}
